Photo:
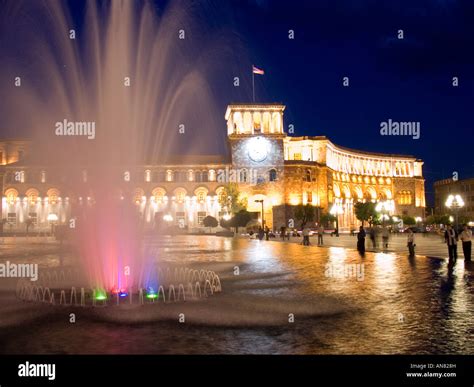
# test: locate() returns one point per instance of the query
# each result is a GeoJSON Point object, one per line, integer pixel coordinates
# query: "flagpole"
{"type": "Point", "coordinates": [253, 85]}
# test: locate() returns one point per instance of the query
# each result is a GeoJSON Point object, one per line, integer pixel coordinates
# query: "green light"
{"type": "Point", "coordinates": [151, 295]}
{"type": "Point", "coordinates": [100, 295]}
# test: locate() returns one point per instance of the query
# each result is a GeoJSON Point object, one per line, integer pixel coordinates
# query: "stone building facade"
{"type": "Point", "coordinates": [267, 164]}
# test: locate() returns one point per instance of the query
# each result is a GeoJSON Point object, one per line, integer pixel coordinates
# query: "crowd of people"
{"type": "Point", "coordinates": [451, 238]}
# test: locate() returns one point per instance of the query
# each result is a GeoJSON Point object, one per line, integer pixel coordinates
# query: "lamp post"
{"type": "Point", "coordinates": [455, 202]}
{"type": "Point", "coordinates": [384, 208]}
{"type": "Point", "coordinates": [263, 219]}
{"type": "Point", "coordinates": [336, 210]}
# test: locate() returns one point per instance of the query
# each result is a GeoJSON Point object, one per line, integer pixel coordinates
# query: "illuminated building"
{"type": "Point", "coordinates": [269, 165]}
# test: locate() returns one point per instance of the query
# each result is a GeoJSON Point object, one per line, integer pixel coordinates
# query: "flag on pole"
{"type": "Point", "coordinates": [256, 70]}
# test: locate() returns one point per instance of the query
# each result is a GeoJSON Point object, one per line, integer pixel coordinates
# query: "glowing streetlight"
{"type": "Point", "coordinates": [226, 217]}
{"type": "Point", "coordinates": [455, 202]}
{"type": "Point", "coordinates": [384, 208]}
{"type": "Point", "coordinates": [168, 218]}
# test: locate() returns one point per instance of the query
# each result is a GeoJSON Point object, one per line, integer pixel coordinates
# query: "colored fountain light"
{"type": "Point", "coordinates": [121, 292]}
{"type": "Point", "coordinates": [100, 295]}
{"type": "Point", "coordinates": [151, 294]}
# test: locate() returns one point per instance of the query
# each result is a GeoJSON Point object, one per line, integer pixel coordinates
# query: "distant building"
{"type": "Point", "coordinates": [265, 162]}
{"type": "Point", "coordinates": [446, 187]}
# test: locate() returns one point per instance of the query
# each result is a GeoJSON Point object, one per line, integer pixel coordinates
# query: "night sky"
{"type": "Point", "coordinates": [407, 79]}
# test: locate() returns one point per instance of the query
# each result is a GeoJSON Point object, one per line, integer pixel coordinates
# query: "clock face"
{"type": "Point", "coordinates": [258, 149]}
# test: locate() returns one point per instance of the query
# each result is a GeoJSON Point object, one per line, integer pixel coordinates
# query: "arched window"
{"type": "Point", "coordinates": [272, 175]}
{"type": "Point", "coordinates": [308, 175]}
{"type": "Point", "coordinates": [404, 198]}
{"type": "Point", "coordinates": [205, 176]}
{"type": "Point", "coordinates": [198, 177]}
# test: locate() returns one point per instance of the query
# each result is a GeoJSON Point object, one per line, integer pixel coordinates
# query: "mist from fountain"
{"type": "Point", "coordinates": [125, 68]}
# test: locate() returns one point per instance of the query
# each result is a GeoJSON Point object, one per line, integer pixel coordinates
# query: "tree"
{"type": "Point", "coordinates": [240, 219]}
{"type": "Point", "coordinates": [327, 219]}
{"type": "Point", "coordinates": [232, 199]}
{"type": "Point", "coordinates": [437, 219]}
{"type": "Point", "coordinates": [408, 220]}
{"type": "Point", "coordinates": [304, 213]}
{"type": "Point", "coordinates": [365, 212]}
{"type": "Point", "coordinates": [210, 221]}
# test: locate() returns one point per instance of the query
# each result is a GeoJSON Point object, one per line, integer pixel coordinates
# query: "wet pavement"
{"type": "Point", "coordinates": [315, 301]}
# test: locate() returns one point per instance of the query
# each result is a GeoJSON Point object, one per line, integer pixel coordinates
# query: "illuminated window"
{"type": "Point", "coordinates": [200, 217]}
{"type": "Point", "coordinates": [272, 175]}
{"type": "Point", "coordinates": [309, 196]}
{"type": "Point", "coordinates": [404, 198]}
{"type": "Point", "coordinates": [297, 156]}
{"type": "Point", "coordinates": [180, 219]}
{"type": "Point", "coordinates": [201, 196]}
{"type": "Point", "coordinates": [147, 175]}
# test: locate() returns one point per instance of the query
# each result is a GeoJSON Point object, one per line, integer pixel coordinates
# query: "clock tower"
{"type": "Point", "coordinates": [255, 134]}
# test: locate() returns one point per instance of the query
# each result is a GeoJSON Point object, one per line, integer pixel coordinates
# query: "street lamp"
{"type": "Point", "coordinates": [263, 219]}
{"type": "Point", "coordinates": [384, 208]}
{"type": "Point", "coordinates": [455, 202]}
{"type": "Point", "coordinates": [336, 210]}
{"type": "Point", "coordinates": [168, 218]}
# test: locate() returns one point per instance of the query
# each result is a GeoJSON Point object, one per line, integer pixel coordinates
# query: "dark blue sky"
{"type": "Point", "coordinates": [402, 80]}
{"type": "Point", "coordinates": [405, 80]}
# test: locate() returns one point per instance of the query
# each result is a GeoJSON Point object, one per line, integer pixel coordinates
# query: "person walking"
{"type": "Point", "coordinates": [267, 232]}
{"type": "Point", "coordinates": [385, 235]}
{"type": "Point", "coordinates": [306, 236]}
{"type": "Point", "coordinates": [361, 240]}
{"type": "Point", "coordinates": [320, 235]}
{"type": "Point", "coordinates": [451, 239]}
{"type": "Point", "coordinates": [372, 237]}
{"type": "Point", "coordinates": [260, 233]}
{"type": "Point", "coordinates": [411, 242]}
{"type": "Point", "coordinates": [466, 237]}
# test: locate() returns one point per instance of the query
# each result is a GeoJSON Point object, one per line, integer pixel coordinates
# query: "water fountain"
{"type": "Point", "coordinates": [108, 91]}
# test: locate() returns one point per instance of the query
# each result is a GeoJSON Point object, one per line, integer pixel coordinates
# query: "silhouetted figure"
{"type": "Point", "coordinates": [320, 235]}
{"type": "Point", "coordinates": [361, 240]}
{"type": "Point", "coordinates": [372, 237]}
{"type": "Point", "coordinates": [267, 232]}
{"type": "Point", "coordinates": [466, 237]}
{"type": "Point", "coordinates": [260, 233]}
{"type": "Point", "coordinates": [411, 242]}
{"type": "Point", "coordinates": [385, 235]}
{"type": "Point", "coordinates": [282, 232]}
{"type": "Point", "coordinates": [451, 239]}
{"type": "Point", "coordinates": [306, 236]}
